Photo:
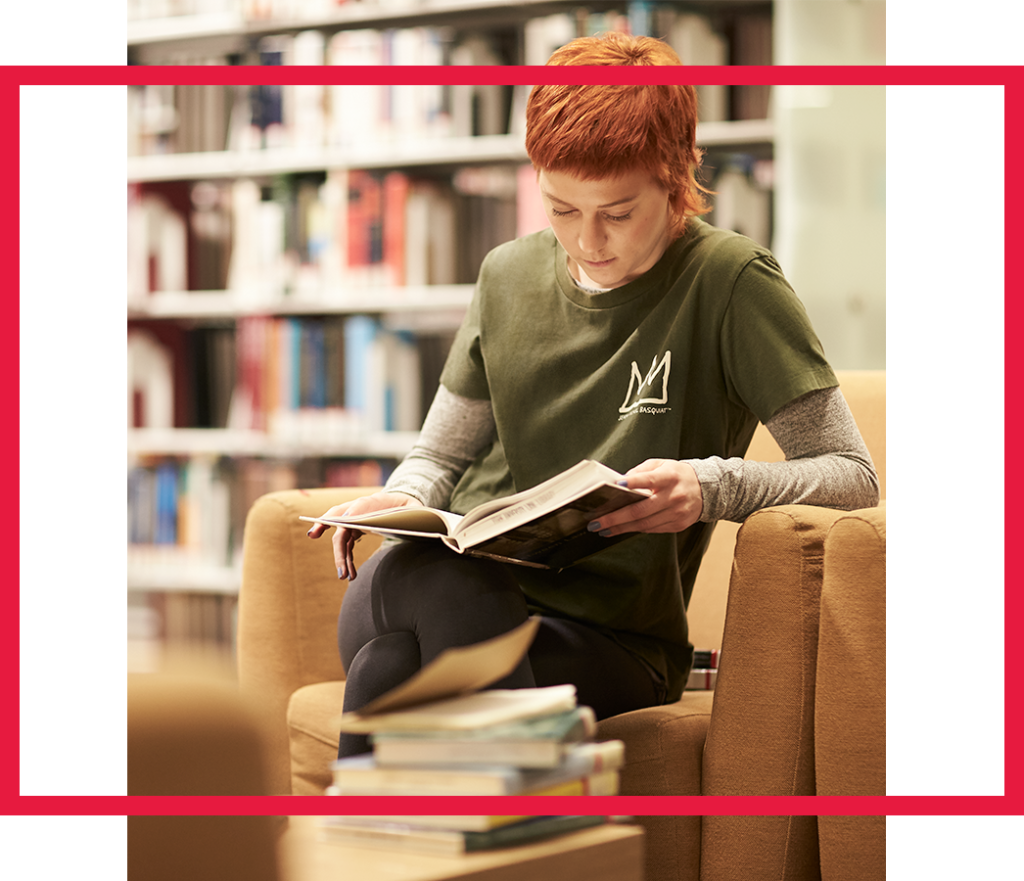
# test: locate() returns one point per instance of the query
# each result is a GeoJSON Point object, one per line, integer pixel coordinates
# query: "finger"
{"type": "Point", "coordinates": [344, 553]}
{"type": "Point", "coordinates": [341, 552]}
{"type": "Point", "coordinates": [350, 561]}
{"type": "Point", "coordinates": [644, 468]}
{"type": "Point", "coordinates": [652, 475]}
{"type": "Point", "coordinates": [617, 522]}
{"type": "Point", "coordinates": [317, 530]}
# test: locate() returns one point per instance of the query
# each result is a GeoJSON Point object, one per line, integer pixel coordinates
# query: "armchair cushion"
{"type": "Point", "coordinates": [314, 717]}
{"type": "Point", "coordinates": [664, 746]}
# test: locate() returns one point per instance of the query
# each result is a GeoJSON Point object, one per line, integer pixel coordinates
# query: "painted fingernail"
{"type": "Point", "coordinates": [341, 573]}
{"type": "Point", "coordinates": [605, 533]}
{"type": "Point", "coordinates": [594, 525]}
{"type": "Point", "coordinates": [622, 482]}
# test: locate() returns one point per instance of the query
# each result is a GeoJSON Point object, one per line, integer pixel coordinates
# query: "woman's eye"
{"type": "Point", "coordinates": [614, 217]}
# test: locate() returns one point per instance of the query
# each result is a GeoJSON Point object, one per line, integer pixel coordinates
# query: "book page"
{"type": "Point", "coordinates": [576, 478]}
{"type": "Point", "coordinates": [413, 520]}
{"type": "Point", "coordinates": [459, 670]}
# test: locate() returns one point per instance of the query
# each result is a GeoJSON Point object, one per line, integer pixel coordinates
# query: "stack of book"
{"type": "Point", "coordinates": [438, 735]}
{"type": "Point", "coordinates": [550, 754]}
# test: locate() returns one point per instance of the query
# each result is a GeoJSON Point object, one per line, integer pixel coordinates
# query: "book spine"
{"type": "Point", "coordinates": [603, 783]}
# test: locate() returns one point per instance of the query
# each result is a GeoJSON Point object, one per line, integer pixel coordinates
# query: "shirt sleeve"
{"type": "Point", "coordinates": [770, 352]}
{"type": "Point", "coordinates": [827, 464]}
{"type": "Point", "coordinates": [464, 371]}
{"type": "Point", "coordinates": [457, 429]}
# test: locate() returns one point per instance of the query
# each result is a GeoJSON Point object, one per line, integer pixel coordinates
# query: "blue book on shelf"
{"type": "Point", "coordinates": [360, 335]}
{"type": "Point", "coordinates": [166, 531]}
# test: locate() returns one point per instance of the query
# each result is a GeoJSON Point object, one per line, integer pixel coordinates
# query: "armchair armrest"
{"type": "Point", "coordinates": [761, 736]}
{"type": "Point", "coordinates": [849, 708]}
{"type": "Point", "coordinates": [288, 609]}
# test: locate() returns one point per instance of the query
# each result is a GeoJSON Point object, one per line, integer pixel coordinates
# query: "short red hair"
{"type": "Point", "coordinates": [597, 131]}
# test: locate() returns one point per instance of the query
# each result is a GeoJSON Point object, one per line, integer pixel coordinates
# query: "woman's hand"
{"type": "Point", "coordinates": [345, 539]}
{"type": "Point", "coordinates": [675, 504]}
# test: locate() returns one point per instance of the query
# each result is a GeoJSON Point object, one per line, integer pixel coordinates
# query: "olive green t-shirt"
{"type": "Point", "coordinates": [680, 363]}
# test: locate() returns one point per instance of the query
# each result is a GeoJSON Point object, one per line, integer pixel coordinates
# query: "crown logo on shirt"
{"type": "Point", "coordinates": [649, 390]}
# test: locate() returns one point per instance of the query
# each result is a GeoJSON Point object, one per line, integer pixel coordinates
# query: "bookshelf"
{"type": "Point", "coordinates": [235, 27]}
{"type": "Point", "coordinates": [209, 297]}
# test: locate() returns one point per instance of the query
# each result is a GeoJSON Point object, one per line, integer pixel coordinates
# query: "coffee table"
{"type": "Point", "coordinates": [613, 852]}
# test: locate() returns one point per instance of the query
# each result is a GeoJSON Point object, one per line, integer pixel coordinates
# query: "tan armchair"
{"type": "Point", "coordinates": [756, 735]}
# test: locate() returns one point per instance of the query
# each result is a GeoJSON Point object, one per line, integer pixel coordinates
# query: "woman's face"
{"type": "Point", "coordinates": [613, 229]}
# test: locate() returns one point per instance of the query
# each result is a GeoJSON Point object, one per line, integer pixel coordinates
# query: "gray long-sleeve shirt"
{"type": "Point", "coordinates": [827, 462]}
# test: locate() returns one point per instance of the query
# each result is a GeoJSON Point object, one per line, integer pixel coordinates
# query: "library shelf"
{"type": "Point", "coordinates": [424, 153]}
{"type": "Point", "coordinates": [419, 153]}
{"type": "Point", "coordinates": [226, 305]}
{"type": "Point", "coordinates": [466, 14]}
{"type": "Point", "coordinates": [239, 443]}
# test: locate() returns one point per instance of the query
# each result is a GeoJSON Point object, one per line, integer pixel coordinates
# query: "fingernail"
{"type": "Point", "coordinates": [341, 573]}
{"type": "Point", "coordinates": [594, 525]}
{"type": "Point", "coordinates": [623, 482]}
{"type": "Point", "coordinates": [605, 533]}
{"type": "Point", "coordinates": [309, 532]}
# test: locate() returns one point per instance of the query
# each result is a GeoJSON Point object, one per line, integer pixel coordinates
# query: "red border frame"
{"type": "Point", "coordinates": [1012, 78]}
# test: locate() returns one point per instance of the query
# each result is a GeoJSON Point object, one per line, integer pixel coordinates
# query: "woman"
{"type": "Point", "coordinates": [630, 332]}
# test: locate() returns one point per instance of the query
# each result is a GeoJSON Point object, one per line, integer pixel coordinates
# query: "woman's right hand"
{"type": "Point", "coordinates": [345, 539]}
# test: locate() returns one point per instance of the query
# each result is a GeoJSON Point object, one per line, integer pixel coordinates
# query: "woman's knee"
{"type": "Point", "coordinates": [431, 591]}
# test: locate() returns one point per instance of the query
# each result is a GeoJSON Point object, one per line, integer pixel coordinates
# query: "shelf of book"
{"type": "Point", "coordinates": [413, 154]}
{"type": "Point", "coordinates": [420, 153]}
{"type": "Point", "coordinates": [382, 14]}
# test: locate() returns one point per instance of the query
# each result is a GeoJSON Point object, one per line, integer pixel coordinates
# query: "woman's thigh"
{"type": "Point", "coordinates": [421, 587]}
{"type": "Point", "coordinates": [608, 679]}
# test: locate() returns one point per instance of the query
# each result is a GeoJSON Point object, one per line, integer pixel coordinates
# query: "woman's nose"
{"type": "Point", "coordinates": [592, 237]}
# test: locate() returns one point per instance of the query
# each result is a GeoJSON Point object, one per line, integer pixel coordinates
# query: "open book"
{"type": "Point", "coordinates": [545, 526]}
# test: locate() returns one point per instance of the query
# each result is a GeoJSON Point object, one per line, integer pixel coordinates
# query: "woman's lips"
{"type": "Point", "coordinates": [598, 264]}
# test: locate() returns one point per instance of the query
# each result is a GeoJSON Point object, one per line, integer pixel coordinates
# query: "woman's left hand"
{"type": "Point", "coordinates": [675, 504]}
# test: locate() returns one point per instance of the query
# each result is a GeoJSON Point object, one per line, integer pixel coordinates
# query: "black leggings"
{"type": "Point", "coordinates": [412, 601]}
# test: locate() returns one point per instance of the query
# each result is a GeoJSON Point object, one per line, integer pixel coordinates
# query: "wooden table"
{"type": "Point", "coordinates": [613, 852]}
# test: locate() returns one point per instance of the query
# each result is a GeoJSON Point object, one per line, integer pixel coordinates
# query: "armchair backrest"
{"type": "Point", "coordinates": [864, 391]}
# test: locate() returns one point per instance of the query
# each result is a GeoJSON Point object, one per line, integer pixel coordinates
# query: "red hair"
{"type": "Point", "coordinates": [598, 131]}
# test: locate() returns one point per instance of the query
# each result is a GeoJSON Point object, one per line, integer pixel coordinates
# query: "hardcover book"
{"type": "Point", "coordinates": [544, 526]}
